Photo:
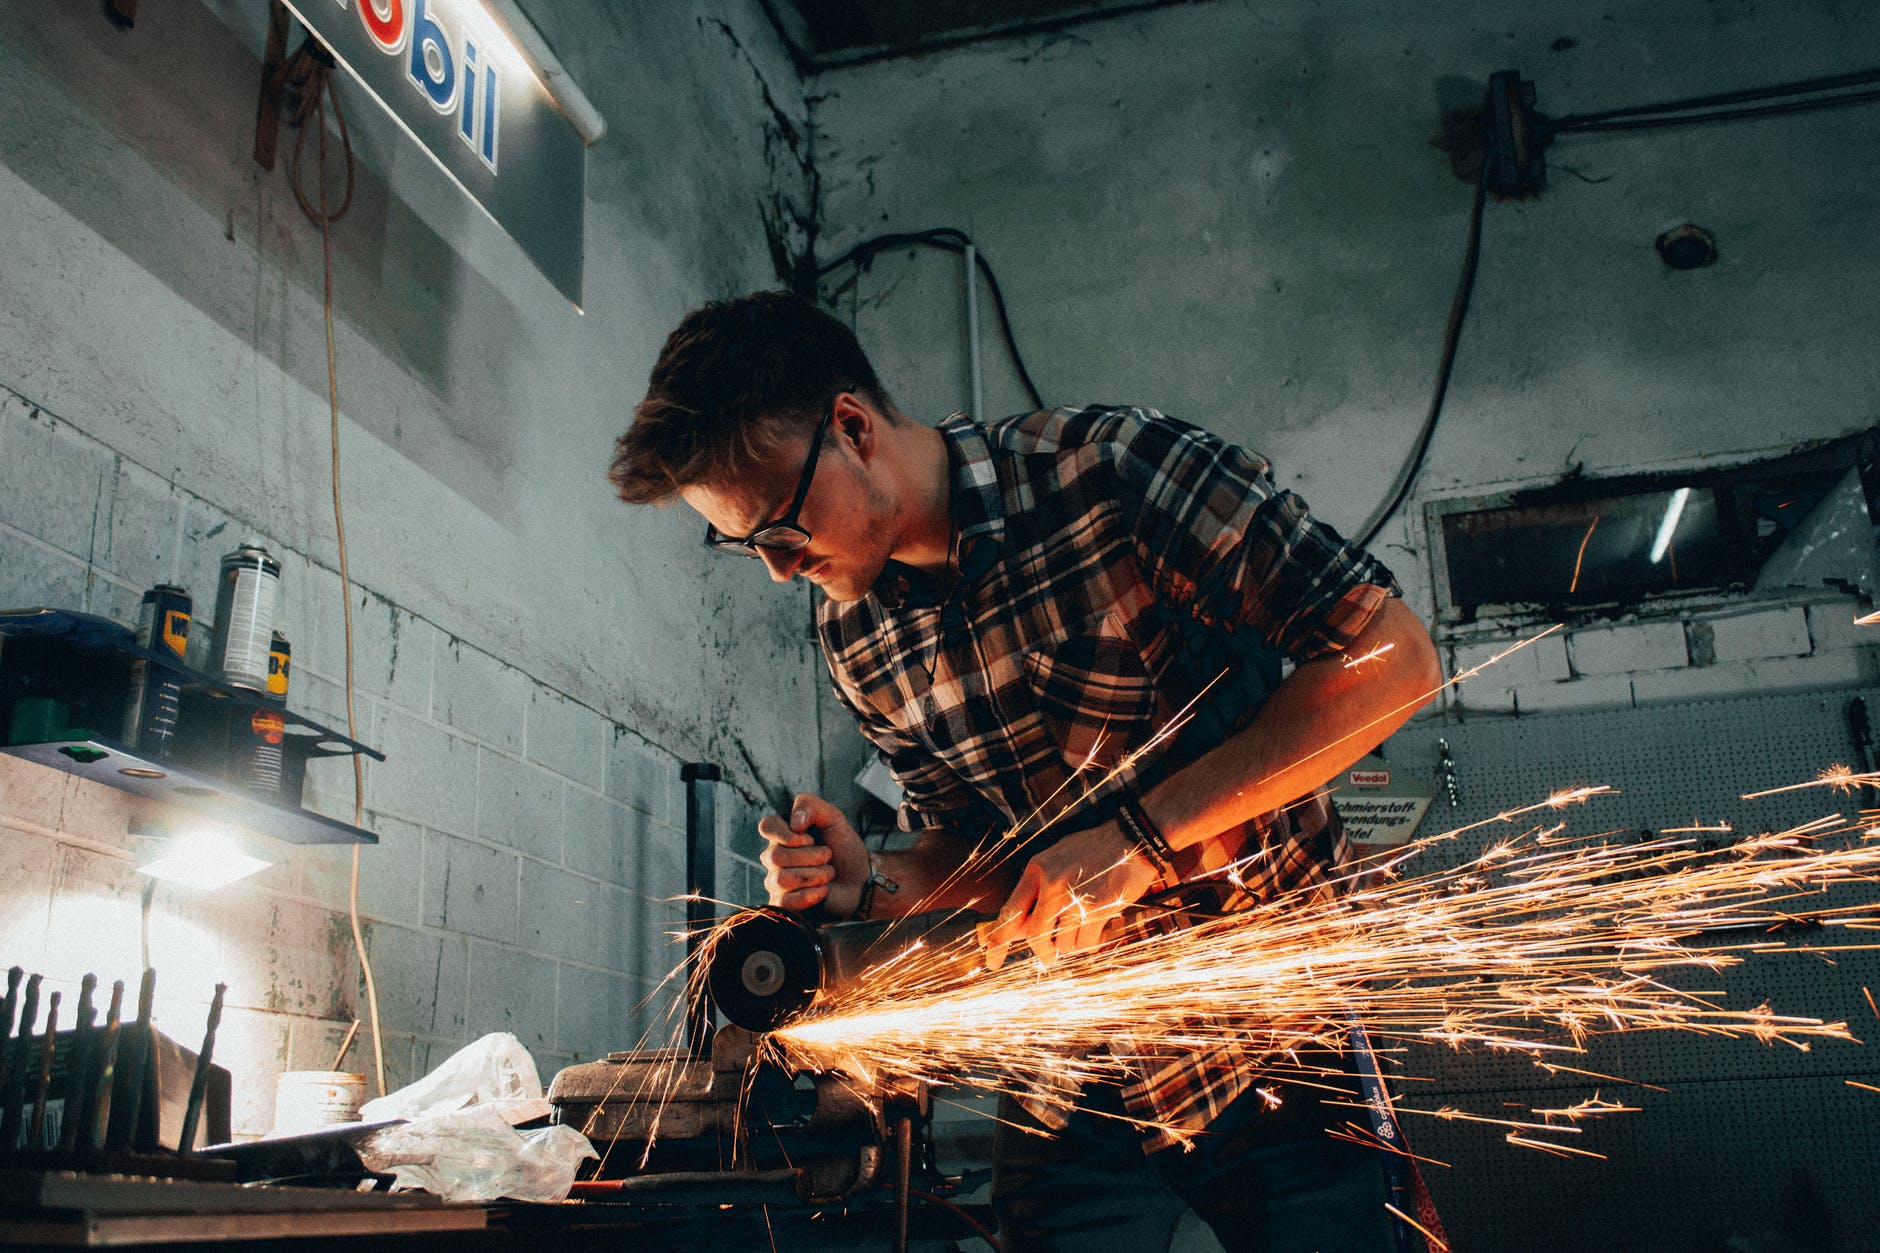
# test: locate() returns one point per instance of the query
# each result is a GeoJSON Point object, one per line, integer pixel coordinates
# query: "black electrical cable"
{"type": "Point", "coordinates": [1833, 82]}
{"type": "Point", "coordinates": [1719, 115]}
{"type": "Point", "coordinates": [1452, 336]}
{"type": "Point", "coordinates": [947, 239]}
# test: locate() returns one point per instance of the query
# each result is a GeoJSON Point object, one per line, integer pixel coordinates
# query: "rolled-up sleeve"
{"type": "Point", "coordinates": [1218, 537]}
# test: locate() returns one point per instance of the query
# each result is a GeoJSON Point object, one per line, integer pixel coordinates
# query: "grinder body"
{"type": "Point", "coordinates": [767, 965]}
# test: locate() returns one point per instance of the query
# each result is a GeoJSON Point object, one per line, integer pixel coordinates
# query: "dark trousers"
{"type": "Point", "coordinates": [1266, 1181]}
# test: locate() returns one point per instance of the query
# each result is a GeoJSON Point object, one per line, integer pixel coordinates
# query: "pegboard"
{"type": "Point", "coordinates": [1765, 1145]}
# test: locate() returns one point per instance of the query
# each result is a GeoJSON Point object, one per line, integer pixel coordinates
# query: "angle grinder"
{"type": "Point", "coordinates": [767, 965]}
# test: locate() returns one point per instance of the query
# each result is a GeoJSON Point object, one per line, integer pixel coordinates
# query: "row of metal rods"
{"type": "Point", "coordinates": [107, 1074]}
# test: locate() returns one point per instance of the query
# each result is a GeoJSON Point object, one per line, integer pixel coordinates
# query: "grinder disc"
{"type": "Point", "coordinates": [765, 967]}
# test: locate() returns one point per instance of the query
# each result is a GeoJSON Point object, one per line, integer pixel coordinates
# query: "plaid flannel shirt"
{"type": "Point", "coordinates": [1116, 569]}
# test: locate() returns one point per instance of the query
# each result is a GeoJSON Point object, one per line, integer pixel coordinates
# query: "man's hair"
{"type": "Point", "coordinates": [733, 383]}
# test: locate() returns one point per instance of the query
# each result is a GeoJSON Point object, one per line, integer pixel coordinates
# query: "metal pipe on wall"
{"type": "Point", "coordinates": [972, 331]}
{"type": "Point", "coordinates": [701, 885]}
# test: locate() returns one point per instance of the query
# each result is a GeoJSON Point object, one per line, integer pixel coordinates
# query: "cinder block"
{"type": "Point", "coordinates": [656, 865]}
{"type": "Point", "coordinates": [52, 802]}
{"type": "Point", "coordinates": [142, 541]}
{"type": "Point", "coordinates": [479, 696]}
{"type": "Point", "coordinates": [54, 482]}
{"type": "Point", "coordinates": [644, 777]}
{"type": "Point", "coordinates": [1628, 649]}
{"type": "Point", "coordinates": [1601, 692]}
{"type": "Point", "coordinates": [422, 979]}
{"type": "Point", "coordinates": [254, 1045]}
{"type": "Point", "coordinates": [314, 1043]}
{"type": "Point", "coordinates": [427, 776]}
{"type": "Point", "coordinates": [575, 918]}
{"type": "Point", "coordinates": [315, 696]}
{"type": "Point", "coordinates": [737, 823]}
{"type": "Point", "coordinates": [1831, 627]}
{"type": "Point", "coordinates": [1524, 659]}
{"type": "Point", "coordinates": [603, 838]}
{"type": "Point", "coordinates": [284, 956]}
{"type": "Point", "coordinates": [391, 648]}
{"type": "Point", "coordinates": [519, 805]}
{"type": "Point", "coordinates": [33, 574]}
{"type": "Point", "coordinates": [411, 658]}
{"type": "Point", "coordinates": [111, 598]}
{"type": "Point", "coordinates": [658, 950]}
{"type": "Point", "coordinates": [391, 872]}
{"type": "Point", "coordinates": [404, 1059]}
{"type": "Point", "coordinates": [395, 650]}
{"type": "Point", "coordinates": [511, 991]}
{"type": "Point", "coordinates": [567, 736]}
{"type": "Point", "coordinates": [596, 1012]}
{"type": "Point", "coordinates": [28, 865]}
{"type": "Point", "coordinates": [1764, 633]}
{"type": "Point", "coordinates": [476, 887]}
{"type": "Point", "coordinates": [311, 962]}
{"type": "Point", "coordinates": [1474, 697]}
{"type": "Point", "coordinates": [1821, 672]}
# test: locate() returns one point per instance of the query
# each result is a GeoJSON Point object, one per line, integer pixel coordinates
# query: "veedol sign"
{"type": "Point", "coordinates": [451, 76]}
{"type": "Point", "coordinates": [1377, 805]}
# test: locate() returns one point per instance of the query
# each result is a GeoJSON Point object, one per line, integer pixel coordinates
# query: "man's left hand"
{"type": "Point", "coordinates": [1068, 893]}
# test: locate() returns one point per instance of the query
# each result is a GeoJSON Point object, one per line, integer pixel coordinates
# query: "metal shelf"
{"type": "Point", "coordinates": [81, 655]}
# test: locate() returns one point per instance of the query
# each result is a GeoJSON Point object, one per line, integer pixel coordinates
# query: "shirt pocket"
{"type": "Point", "coordinates": [1093, 693]}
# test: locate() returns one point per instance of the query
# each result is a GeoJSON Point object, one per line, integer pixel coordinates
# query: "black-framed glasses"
{"type": "Point", "coordinates": [783, 535]}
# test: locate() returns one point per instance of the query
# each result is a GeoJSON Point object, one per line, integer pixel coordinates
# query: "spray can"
{"type": "Point", "coordinates": [244, 617]}
{"type": "Point", "coordinates": [266, 726]}
{"type": "Point", "coordinates": [156, 692]}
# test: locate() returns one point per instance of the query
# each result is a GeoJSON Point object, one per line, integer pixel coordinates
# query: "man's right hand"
{"type": "Point", "coordinates": [813, 857]}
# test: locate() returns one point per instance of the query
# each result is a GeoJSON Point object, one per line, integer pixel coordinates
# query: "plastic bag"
{"type": "Point", "coordinates": [494, 1068]}
{"type": "Point", "coordinates": [474, 1155]}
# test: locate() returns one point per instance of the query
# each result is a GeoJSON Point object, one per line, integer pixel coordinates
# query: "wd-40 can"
{"type": "Point", "coordinates": [267, 728]}
{"type": "Point", "coordinates": [244, 617]}
{"type": "Point", "coordinates": [156, 691]}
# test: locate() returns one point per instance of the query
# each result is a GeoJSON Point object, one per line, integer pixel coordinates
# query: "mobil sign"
{"type": "Point", "coordinates": [451, 75]}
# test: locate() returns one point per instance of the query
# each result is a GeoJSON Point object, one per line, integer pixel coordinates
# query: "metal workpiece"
{"type": "Point", "coordinates": [767, 965]}
{"type": "Point", "coordinates": [94, 1133]}
{"type": "Point", "coordinates": [199, 1082]}
{"type": "Point", "coordinates": [48, 1047]}
{"type": "Point", "coordinates": [674, 1122]}
{"type": "Point", "coordinates": [134, 1060]}
{"type": "Point", "coordinates": [84, 1050]}
{"type": "Point", "coordinates": [18, 1063]}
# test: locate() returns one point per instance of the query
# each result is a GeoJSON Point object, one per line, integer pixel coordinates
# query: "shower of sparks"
{"type": "Point", "coordinates": [1868, 619]}
{"type": "Point", "coordinates": [1435, 1242]}
{"type": "Point", "coordinates": [1533, 946]}
{"type": "Point", "coordinates": [1541, 941]}
{"type": "Point", "coordinates": [1352, 663]}
{"type": "Point", "coordinates": [1580, 556]}
{"type": "Point", "coordinates": [1837, 777]}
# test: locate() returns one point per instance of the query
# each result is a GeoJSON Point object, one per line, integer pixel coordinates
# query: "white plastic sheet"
{"type": "Point", "coordinates": [457, 1141]}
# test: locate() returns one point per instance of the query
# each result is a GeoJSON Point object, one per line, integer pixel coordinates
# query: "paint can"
{"type": "Point", "coordinates": [156, 692]}
{"type": "Point", "coordinates": [267, 728]}
{"type": "Point", "coordinates": [244, 617]}
{"type": "Point", "coordinates": [307, 1100]}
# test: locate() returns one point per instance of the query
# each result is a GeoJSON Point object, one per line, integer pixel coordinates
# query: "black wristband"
{"type": "Point", "coordinates": [874, 880]}
{"type": "Point", "coordinates": [1146, 836]}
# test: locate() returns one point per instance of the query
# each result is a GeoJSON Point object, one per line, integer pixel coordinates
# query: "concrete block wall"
{"type": "Point", "coordinates": [531, 849]}
{"type": "Point", "coordinates": [1254, 232]}
{"type": "Point", "coordinates": [1803, 645]}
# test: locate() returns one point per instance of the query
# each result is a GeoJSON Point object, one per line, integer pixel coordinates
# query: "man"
{"type": "Point", "coordinates": [1014, 613]}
